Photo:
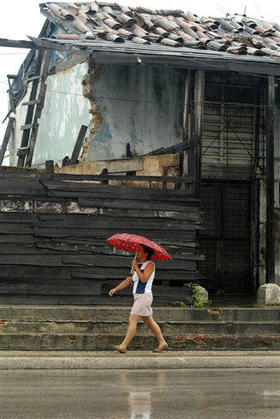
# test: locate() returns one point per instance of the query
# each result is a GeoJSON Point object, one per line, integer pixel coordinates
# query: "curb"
{"type": "Point", "coordinates": [138, 362]}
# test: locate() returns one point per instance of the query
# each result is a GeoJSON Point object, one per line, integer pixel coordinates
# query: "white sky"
{"type": "Point", "coordinates": [22, 17]}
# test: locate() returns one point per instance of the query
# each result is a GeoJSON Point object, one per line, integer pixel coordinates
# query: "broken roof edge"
{"type": "Point", "coordinates": [111, 22]}
{"type": "Point", "coordinates": [105, 53]}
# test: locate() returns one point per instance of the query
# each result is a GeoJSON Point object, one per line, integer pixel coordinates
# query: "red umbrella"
{"type": "Point", "coordinates": [130, 243]}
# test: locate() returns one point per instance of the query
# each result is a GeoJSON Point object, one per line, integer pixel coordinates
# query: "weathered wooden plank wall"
{"type": "Point", "coordinates": [53, 238]}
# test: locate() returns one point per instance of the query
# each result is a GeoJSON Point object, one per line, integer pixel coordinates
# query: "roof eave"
{"type": "Point", "coordinates": [112, 53]}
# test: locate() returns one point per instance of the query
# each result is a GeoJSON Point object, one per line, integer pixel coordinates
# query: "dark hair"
{"type": "Point", "coordinates": [148, 250]}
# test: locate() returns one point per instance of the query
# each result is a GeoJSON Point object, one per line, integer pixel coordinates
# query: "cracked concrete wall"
{"type": "Point", "coordinates": [141, 105]}
{"type": "Point", "coordinates": [65, 110]}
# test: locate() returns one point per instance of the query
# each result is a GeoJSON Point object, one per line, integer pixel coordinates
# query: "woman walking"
{"type": "Point", "coordinates": [142, 280]}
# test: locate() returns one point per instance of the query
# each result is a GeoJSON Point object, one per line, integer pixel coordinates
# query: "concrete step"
{"type": "Point", "coordinates": [99, 327]}
{"type": "Point", "coordinates": [90, 342]}
{"type": "Point", "coordinates": [121, 313]}
{"type": "Point", "coordinates": [96, 360]}
{"type": "Point", "coordinates": [105, 327]}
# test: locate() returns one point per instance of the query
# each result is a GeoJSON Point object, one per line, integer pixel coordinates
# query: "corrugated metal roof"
{"type": "Point", "coordinates": [239, 35]}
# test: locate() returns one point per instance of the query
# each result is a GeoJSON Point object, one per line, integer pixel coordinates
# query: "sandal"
{"type": "Point", "coordinates": [117, 347]}
{"type": "Point", "coordinates": [161, 348]}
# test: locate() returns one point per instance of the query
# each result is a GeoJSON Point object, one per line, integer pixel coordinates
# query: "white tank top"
{"type": "Point", "coordinates": [142, 287]}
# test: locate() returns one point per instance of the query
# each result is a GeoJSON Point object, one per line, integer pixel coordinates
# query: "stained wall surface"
{"type": "Point", "coordinates": [141, 105]}
{"type": "Point", "coordinates": [65, 110]}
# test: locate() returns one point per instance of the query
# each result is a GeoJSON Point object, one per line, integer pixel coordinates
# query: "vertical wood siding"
{"type": "Point", "coordinates": [232, 126]}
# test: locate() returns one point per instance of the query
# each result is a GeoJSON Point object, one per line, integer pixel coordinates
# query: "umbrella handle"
{"type": "Point", "coordinates": [132, 269]}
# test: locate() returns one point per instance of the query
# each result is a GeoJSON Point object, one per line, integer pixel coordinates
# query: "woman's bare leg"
{"type": "Point", "coordinates": [131, 330]}
{"type": "Point", "coordinates": [154, 327]}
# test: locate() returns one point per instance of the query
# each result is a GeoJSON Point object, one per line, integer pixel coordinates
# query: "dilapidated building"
{"type": "Point", "coordinates": [158, 122]}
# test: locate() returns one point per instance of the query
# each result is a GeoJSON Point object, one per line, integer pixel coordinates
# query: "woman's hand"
{"type": "Point", "coordinates": [122, 285]}
{"type": "Point", "coordinates": [134, 263]}
{"type": "Point", "coordinates": [112, 292]}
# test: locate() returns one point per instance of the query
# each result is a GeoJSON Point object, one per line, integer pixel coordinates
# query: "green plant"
{"type": "Point", "coordinates": [197, 301]}
{"type": "Point", "coordinates": [180, 304]}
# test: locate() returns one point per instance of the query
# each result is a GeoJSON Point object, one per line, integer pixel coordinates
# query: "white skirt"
{"type": "Point", "coordinates": [142, 304]}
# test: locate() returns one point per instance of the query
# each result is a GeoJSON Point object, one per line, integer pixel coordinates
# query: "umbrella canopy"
{"type": "Point", "coordinates": [130, 243]}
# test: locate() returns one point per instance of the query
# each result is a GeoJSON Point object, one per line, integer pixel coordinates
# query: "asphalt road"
{"type": "Point", "coordinates": [140, 394]}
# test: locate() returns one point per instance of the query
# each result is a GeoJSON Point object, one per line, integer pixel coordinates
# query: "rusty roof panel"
{"type": "Point", "coordinates": [237, 35]}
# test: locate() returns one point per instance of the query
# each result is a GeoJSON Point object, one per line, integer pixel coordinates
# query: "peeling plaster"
{"type": "Point", "coordinates": [74, 208]}
{"type": "Point", "coordinates": [96, 116]}
{"type": "Point", "coordinates": [65, 110]}
{"type": "Point", "coordinates": [16, 206]}
{"type": "Point", "coordinates": [140, 105]}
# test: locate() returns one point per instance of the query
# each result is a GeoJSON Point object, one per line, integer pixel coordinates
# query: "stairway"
{"type": "Point", "coordinates": [65, 327]}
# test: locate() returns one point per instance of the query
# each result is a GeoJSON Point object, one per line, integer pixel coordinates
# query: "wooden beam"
{"type": "Point", "coordinates": [186, 159]}
{"type": "Point", "coordinates": [31, 102]}
{"type": "Point", "coordinates": [198, 117]}
{"type": "Point", "coordinates": [270, 230]}
{"type": "Point", "coordinates": [191, 58]}
{"type": "Point", "coordinates": [66, 176]}
{"type": "Point", "coordinates": [52, 44]}
{"type": "Point", "coordinates": [49, 165]}
{"type": "Point", "coordinates": [11, 43]}
{"type": "Point", "coordinates": [128, 150]}
{"type": "Point", "coordinates": [104, 172]}
{"type": "Point", "coordinates": [22, 152]}
{"type": "Point", "coordinates": [33, 78]}
{"type": "Point", "coordinates": [78, 145]}
{"type": "Point", "coordinates": [11, 98]}
{"type": "Point", "coordinates": [176, 148]}
{"type": "Point", "coordinates": [129, 154]}
{"type": "Point", "coordinates": [186, 111]}
{"type": "Point", "coordinates": [165, 174]}
{"type": "Point", "coordinates": [193, 125]}
{"type": "Point", "coordinates": [6, 139]}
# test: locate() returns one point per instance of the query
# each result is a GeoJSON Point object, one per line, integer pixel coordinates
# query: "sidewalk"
{"type": "Point", "coordinates": [12, 360]}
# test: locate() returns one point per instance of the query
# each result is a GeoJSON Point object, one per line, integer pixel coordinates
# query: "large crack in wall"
{"type": "Point", "coordinates": [96, 120]}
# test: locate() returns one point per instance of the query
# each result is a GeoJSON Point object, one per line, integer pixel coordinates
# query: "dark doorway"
{"type": "Point", "coordinates": [225, 238]}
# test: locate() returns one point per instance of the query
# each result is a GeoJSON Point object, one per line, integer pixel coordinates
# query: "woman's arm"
{"type": "Point", "coordinates": [121, 285]}
{"type": "Point", "coordinates": [144, 275]}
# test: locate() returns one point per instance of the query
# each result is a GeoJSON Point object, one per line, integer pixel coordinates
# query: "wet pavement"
{"type": "Point", "coordinates": [140, 394]}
